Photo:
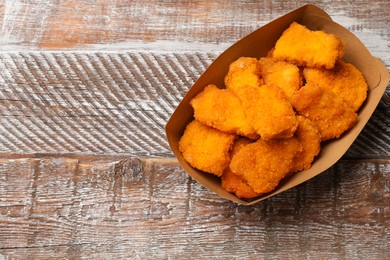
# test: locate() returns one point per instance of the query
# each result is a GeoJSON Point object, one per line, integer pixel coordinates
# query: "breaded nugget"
{"type": "Point", "coordinates": [304, 47]}
{"type": "Point", "coordinates": [330, 114]}
{"type": "Point", "coordinates": [237, 185]}
{"type": "Point", "coordinates": [243, 71]}
{"type": "Point", "coordinates": [268, 111]}
{"type": "Point", "coordinates": [345, 80]}
{"type": "Point", "coordinates": [206, 148]}
{"type": "Point", "coordinates": [222, 109]}
{"type": "Point", "coordinates": [282, 74]}
{"type": "Point", "coordinates": [263, 164]}
{"type": "Point", "coordinates": [310, 138]}
{"type": "Point", "coordinates": [234, 183]}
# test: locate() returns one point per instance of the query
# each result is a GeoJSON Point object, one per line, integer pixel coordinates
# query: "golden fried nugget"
{"type": "Point", "coordinates": [310, 138]}
{"type": "Point", "coordinates": [243, 71]}
{"type": "Point", "coordinates": [263, 164]}
{"type": "Point", "coordinates": [304, 47]}
{"type": "Point", "coordinates": [237, 185]}
{"type": "Point", "coordinates": [282, 74]}
{"type": "Point", "coordinates": [222, 109]}
{"type": "Point", "coordinates": [330, 114]}
{"type": "Point", "coordinates": [268, 111]}
{"type": "Point", "coordinates": [206, 148]}
{"type": "Point", "coordinates": [345, 80]}
{"type": "Point", "coordinates": [234, 183]}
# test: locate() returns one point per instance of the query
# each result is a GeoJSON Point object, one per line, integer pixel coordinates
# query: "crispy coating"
{"type": "Point", "coordinates": [237, 185]}
{"type": "Point", "coordinates": [345, 80]}
{"type": "Point", "coordinates": [245, 71]}
{"type": "Point", "coordinates": [206, 148]}
{"type": "Point", "coordinates": [310, 138]}
{"type": "Point", "coordinates": [222, 109]}
{"type": "Point", "coordinates": [234, 183]}
{"type": "Point", "coordinates": [268, 111]}
{"type": "Point", "coordinates": [263, 164]}
{"type": "Point", "coordinates": [330, 114]}
{"type": "Point", "coordinates": [282, 74]}
{"type": "Point", "coordinates": [304, 47]}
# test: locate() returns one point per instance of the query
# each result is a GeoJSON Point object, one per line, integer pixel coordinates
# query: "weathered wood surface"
{"type": "Point", "coordinates": [149, 208]}
{"type": "Point", "coordinates": [86, 88]}
{"type": "Point", "coordinates": [109, 103]}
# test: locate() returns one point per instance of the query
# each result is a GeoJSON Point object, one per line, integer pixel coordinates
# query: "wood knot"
{"type": "Point", "coordinates": [129, 169]}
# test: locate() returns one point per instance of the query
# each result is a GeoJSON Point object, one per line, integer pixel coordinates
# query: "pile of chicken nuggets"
{"type": "Point", "coordinates": [273, 113]}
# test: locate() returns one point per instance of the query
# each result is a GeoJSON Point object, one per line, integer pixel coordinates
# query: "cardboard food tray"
{"type": "Point", "coordinates": [257, 44]}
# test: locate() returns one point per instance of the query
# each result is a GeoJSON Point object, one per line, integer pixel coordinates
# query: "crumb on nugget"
{"type": "Point", "coordinates": [222, 109]}
{"type": "Point", "coordinates": [345, 80]}
{"type": "Point", "coordinates": [326, 110]}
{"type": "Point", "coordinates": [268, 111]}
{"type": "Point", "coordinates": [263, 164]}
{"type": "Point", "coordinates": [304, 47]}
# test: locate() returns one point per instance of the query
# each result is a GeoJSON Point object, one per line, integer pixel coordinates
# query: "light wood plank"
{"type": "Point", "coordinates": [73, 23]}
{"type": "Point", "coordinates": [108, 103]}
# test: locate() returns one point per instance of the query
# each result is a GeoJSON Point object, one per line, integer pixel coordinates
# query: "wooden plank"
{"type": "Point", "coordinates": [139, 207]}
{"type": "Point", "coordinates": [108, 103]}
{"type": "Point", "coordinates": [73, 23]}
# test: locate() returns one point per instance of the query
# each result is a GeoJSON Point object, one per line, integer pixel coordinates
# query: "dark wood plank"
{"type": "Point", "coordinates": [150, 208]}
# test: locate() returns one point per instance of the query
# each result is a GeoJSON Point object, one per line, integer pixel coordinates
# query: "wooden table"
{"type": "Point", "coordinates": [86, 88]}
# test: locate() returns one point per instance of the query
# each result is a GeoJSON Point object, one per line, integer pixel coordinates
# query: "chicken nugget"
{"type": "Point", "coordinates": [330, 114]}
{"type": "Point", "coordinates": [237, 185]}
{"type": "Point", "coordinates": [206, 148]}
{"type": "Point", "coordinates": [234, 183]}
{"type": "Point", "coordinates": [263, 164]}
{"type": "Point", "coordinates": [222, 109]}
{"type": "Point", "coordinates": [304, 47]}
{"type": "Point", "coordinates": [310, 138]}
{"type": "Point", "coordinates": [345, 80]}
{"type": "Point", "coordinates": [268, 111]}
{"type": "Point", "coordinates": [243, 71]}
{"type": "Point", "coordinates": [282, 74]}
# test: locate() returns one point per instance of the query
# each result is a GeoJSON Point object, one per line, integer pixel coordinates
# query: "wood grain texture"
{"type": "Point", "coordinates": [86, 87]}
{"type": "Point", "coordinates": [71, 23]}
{"type": "Point", "coordinates": [115, 102]}
{"type": "Point", "coordinates": [151, 208]}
